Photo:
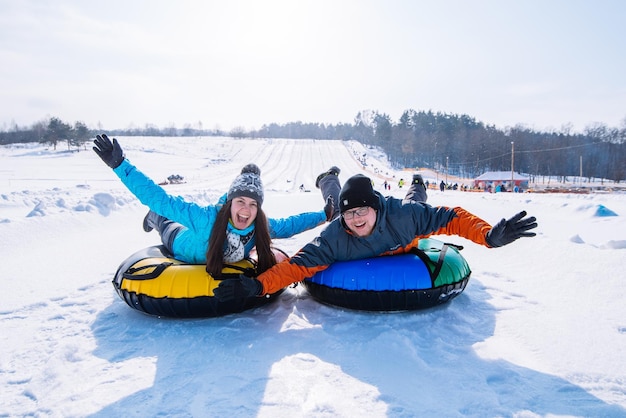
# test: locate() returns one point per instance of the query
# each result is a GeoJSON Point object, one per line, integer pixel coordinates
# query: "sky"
{"type": "Point", "coordinates": [538, 332]}
{"type": "Point", "coordinates": [547, 65]}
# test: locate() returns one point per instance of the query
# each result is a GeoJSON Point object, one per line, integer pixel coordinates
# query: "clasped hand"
{"type": "Point", "coordinates": [238, 288]}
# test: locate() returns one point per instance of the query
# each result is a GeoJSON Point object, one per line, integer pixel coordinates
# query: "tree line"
{"type": "Point", "coordinates": [465, 147]}
{"type": "Point", "coordinates": [457, 144]}
{"type": "Point", "coordinates": [52, 132]}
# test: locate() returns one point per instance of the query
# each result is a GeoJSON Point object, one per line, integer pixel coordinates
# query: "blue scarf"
{"type": "Point", "coordinates": [236, 242]}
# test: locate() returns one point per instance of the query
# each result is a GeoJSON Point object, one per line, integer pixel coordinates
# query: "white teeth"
{"type": "Point", "coordinates": [242, 219]}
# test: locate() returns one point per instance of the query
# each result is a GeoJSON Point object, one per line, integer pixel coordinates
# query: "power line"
{"type": "Point", "coordinates": [508, 154]}
{"type": "Point", "coordinates": [560, 148]}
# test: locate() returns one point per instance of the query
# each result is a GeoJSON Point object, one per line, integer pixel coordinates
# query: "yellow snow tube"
{"type": "Point", "coordinates": [154, 282]}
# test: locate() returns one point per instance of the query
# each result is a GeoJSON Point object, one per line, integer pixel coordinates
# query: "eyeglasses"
{"type": "Point", "coordinates": [362, 211]}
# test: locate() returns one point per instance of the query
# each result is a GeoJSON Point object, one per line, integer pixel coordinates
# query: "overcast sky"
{"type": "Point", "coordinates": [119, 63]}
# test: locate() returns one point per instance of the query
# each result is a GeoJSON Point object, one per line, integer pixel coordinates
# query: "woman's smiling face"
{"type": "Point", "coordinates": [243, 211]}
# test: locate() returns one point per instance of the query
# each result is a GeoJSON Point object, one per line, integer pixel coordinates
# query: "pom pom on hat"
{"type": "Point", "coordinates": [247, 184]}
{"type": "Point", "coordinates": [358, 192]}
{"type": "Point", "coordinates": [251, 168]}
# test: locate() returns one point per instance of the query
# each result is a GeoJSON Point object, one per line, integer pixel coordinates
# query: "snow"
{"type": "Point", "coordinates": [539, 331]}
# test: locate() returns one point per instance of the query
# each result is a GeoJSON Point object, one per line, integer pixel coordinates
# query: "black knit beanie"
{"type": "Point", "coordinates": [248, 184]}
{"type": "Point", "coordinates": [358, 192]}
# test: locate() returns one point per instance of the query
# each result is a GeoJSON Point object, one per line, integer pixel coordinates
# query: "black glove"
{"type": "Point", "coordinates": [329, 208]}
{"type": "Point", "coordinates": [239, 288]}
{"type": "Point", "coordinates": [507, 231]}
{"type": "Point", "coordinates": [111, 153]}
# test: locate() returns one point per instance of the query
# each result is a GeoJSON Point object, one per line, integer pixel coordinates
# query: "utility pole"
{"type": "Point", "coordinates": [581, 170]}
{"type": "Point", "coordinates": [447, 171]}
{"type": "Point", "coordinates": [512, 186]}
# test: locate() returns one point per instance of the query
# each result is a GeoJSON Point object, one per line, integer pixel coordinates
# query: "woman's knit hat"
{"type": "Point", "coordinates": [358, 192]}
{"type": "Point", "coordinates": [247, 184]}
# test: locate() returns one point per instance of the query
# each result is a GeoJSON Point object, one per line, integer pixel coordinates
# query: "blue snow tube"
{"type": "Point", "coordinates": [431, 274]}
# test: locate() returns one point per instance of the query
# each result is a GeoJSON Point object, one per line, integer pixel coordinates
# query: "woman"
{"type": "Point", "coordinates": [213, 234]}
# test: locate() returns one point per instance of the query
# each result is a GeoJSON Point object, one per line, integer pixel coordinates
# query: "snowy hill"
{"type": "Point", "coordinates": [539, 331]}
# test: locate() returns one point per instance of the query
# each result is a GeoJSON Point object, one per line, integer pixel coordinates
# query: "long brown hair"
{"type": "Point", "coordinates": [263, 242]}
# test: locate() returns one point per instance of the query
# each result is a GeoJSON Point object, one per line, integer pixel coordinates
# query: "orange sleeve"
{"type": "Point", "coordinates": [466, 225]}
{"type": "Point", "coordinates": [283, 274]}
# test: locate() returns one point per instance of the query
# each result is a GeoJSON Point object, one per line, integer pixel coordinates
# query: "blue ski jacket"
{"type": "Point", "coordinates": [191, 244]}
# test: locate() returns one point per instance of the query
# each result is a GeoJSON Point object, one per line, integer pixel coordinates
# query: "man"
{"type": "Point", "coordinates": [371, 225]}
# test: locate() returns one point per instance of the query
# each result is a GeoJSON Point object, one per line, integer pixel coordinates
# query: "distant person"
{"type": "Point", "coordinates": [371, 225]}
{"type": "Point", "coordinates": [213, 234]}
{"type": "Point", "coordinates": [442, 186]}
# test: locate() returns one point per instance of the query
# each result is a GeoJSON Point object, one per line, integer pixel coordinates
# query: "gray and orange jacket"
{"type": "Point", "coordinates": [399, 226]}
